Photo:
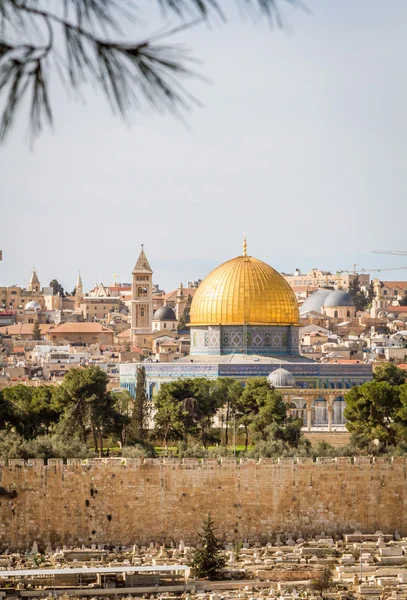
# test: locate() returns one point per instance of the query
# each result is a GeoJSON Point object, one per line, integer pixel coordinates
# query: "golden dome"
{"type": "Point", "coordinates": [244, 290]}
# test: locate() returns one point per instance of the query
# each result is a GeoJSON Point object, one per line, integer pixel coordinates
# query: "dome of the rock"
{"type": "Point", "coordinates": [244, 290]}
{"type": "Point", "coordinates": [244, 306]}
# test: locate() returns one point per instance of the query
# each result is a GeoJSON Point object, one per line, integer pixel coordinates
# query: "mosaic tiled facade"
{"type": "Point", "coordinates": [318, 376]}
{"type": "Point", "coordinates": [265, 340]}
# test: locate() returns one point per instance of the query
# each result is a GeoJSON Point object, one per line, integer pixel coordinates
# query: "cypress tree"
{"type": "Point", "coordinates": [208, 560]}
{"type": "Point", "coordinates": [37, 331]}
{"type": "Point", "coordinates": [142, 407]}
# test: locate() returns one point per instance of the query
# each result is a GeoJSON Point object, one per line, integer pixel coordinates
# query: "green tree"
{"type": "Point", "coordinates": [371, 412]}
{"type": "Point", "coordinates": [206, 400]}
{"type": "Point", "coordinates": [360, 300]}
{"type": "Point", "coordinates": [370, 293]}
{"type": "Point", "coordinates": [169, 415]}
{"type": "Point", "coordinates": [403, 301]}
{"type": "Point", "coordinates": [7, 416]}
{"type": "Point", "coordinates": [124, 404]}
{"type": "Point", "coordinates": [43, 408]}
{"type": "Point", "coordinates": [36, 333]}
{"type": "Point", "coordinates": [182, 323]}
{"type": "Point", "coordinates": [31, 410]}
{"type": "Point", "coordinates": [324, 580]}
{"type": "Point", "coordinates": [11, 445]}
{"type": "Point", "coordinates": [140, 420]}
{"type": "Point", "coordinates": [260, 405]}
{"type": "Point", "coordinates": [208, 559]}
{"type": "Point", "coordinates": [229, 392]}
{"type": "Point", "coordinates": [57, 287]}
{"type": "Point", "coordinates": [94, 50]}
{"type": "Point", "coordinates": [55, 446]}
{"type": "Point", "coordinates": [186, 407]}
{"type": "Point", "coordinates": [390, 373]}
{"type": "Point", "coordinates": [288, 432]}
{"type": "Point", "coordinates": [271, 410]}
{"type": "Point", "coordinates": [85, 403]}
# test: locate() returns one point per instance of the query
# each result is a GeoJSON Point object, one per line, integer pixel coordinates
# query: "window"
{"type": "Point", "coordinates": [336, 314]}
{"type": "Point", "coordinates": [141, 312]}
{"type": "Point", "coordinates": [348, 313]}
{"type": "Point", "coordinates": [384, 292]}
{"type": "Point", "coordinates": [396, 292]}
{"type": "Point", "coordinates": [165, 325]}
{"type": "Point", "coordinates": [14, 293]}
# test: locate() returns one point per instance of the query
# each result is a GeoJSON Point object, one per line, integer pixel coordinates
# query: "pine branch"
{"type": "Point", "coordinates": [205, 8]}
{"type": "Point", "coordinates": [129, 74]}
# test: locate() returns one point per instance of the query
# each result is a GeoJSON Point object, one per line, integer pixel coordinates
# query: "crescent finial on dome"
{"type": "Point", "coordinates": [244, 245]}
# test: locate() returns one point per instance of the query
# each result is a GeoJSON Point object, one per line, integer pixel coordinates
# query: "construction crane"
{"type": "Point", "coordinates": [340, 271]}
{"type": "Point", "coordinates": [399, 252]}
{"type": "Point", "coordinates": [368, 270]}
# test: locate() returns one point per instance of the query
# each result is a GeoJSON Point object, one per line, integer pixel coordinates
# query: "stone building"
{"type": "Point", "coordinates": [245, 323]}
{"type": "Point", "coordinates": [315, 278]}
{"type": "Point", "coordinates": [80, 333]}
{"type": "Point", "coordinates": [390, 290]}
{"type": "Point", "coordinates": [18, 299]}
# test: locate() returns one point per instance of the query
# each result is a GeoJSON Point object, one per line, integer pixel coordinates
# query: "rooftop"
{"type": "Point", "coordinates": [242, 358]}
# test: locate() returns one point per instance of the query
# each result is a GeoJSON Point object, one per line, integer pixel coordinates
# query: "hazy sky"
{"type": "Point", "coordinates": [301, 142]}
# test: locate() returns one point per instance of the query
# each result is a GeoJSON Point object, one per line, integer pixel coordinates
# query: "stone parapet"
{"type": "Point", "coordinates": [123, 501]}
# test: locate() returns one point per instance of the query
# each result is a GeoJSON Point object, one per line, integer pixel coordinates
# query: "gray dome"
{"type": "Point", "coordinates": [315, 302]}
{"type": "Point", "coordinates": [281, 378]}
{"type": "Point", "coordinates": [164, 313]}
{"type": "Point", "coordinates": [338, 298]}
{"type": "Point", "coordinates": [32, 305]}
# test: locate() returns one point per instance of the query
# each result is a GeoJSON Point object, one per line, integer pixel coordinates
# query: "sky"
{"type": "Point", "coordinates": [300, 141]}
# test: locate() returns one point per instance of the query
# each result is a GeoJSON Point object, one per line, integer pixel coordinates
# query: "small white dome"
{"type": "Point", "coordinates": [32, 305]}
{"type": "Point", "coordinates": [281, 378]}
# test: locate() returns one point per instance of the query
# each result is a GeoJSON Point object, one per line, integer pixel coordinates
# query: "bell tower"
{"type": "Point", "coordinates": [34, 283]}
{"type": "Point", "coordinates": [78, 292]}
{"type": "Point", "coordinates": [141, 297]}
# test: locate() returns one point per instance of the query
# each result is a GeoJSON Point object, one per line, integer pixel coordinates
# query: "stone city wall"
{"type": "Point", "coordinates": [121, 502]}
